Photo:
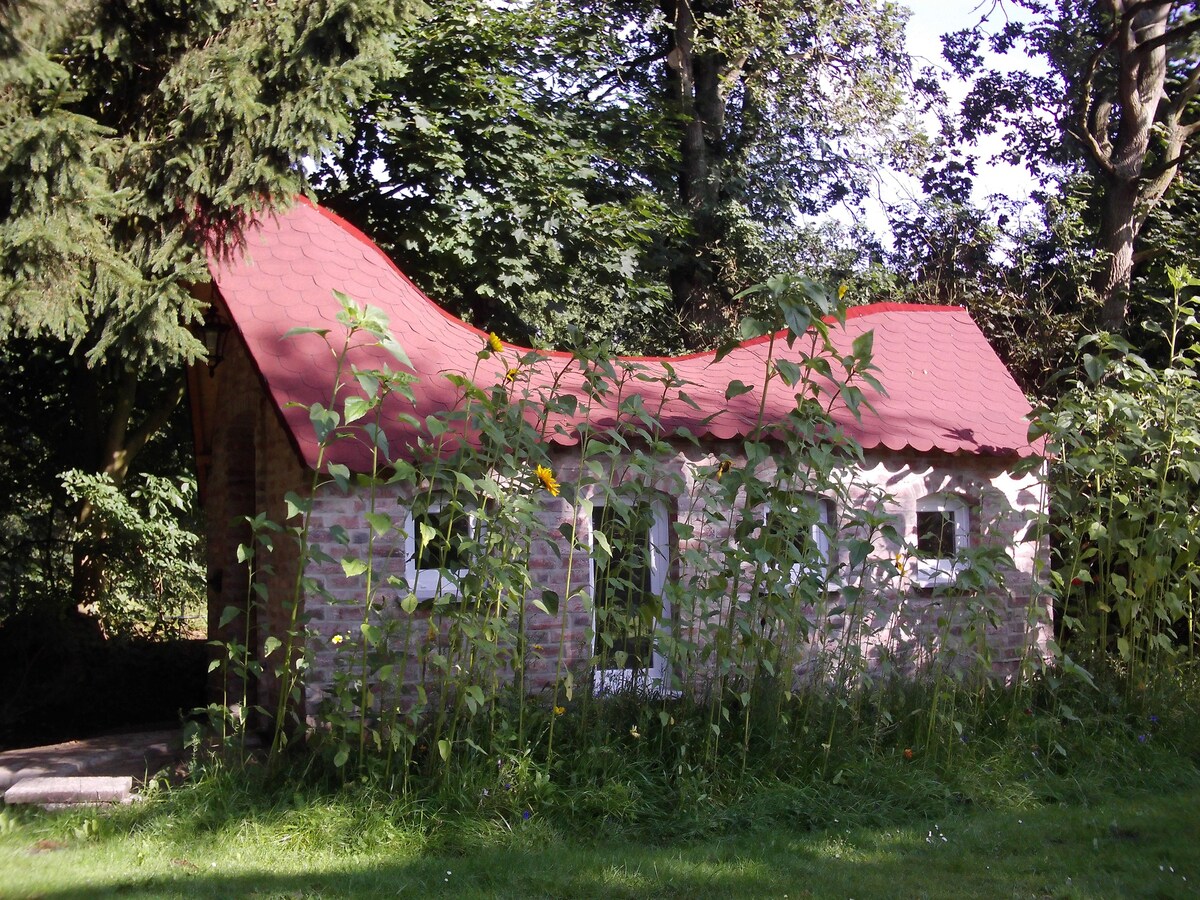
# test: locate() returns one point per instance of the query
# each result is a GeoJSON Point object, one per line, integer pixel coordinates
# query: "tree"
{"type": "Point", "coordinates": [494, 175]}
{"type": "Point", "coordinates": [779, 109]}
{"type": "Point", "coordinates": [1118, 102]}
{"type": "Point", "coordinates": [135, 137]}
{"type": "Point", "coordinates": [621, 165]}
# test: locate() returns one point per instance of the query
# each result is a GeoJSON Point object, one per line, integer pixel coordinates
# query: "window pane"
{"type": "Point", "coordinates": [936, 533]}
{"type": "Point", "coordinates": [794, 535]}
{"type": "Point", "coordinates": [444, 551]}
{"type": "Point", "coordinates": [626, 608]}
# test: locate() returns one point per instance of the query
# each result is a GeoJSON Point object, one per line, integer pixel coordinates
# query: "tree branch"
{"type": "Point", "coordinates": [1099, 155]}
{"type": "Point", "coordinates": [155, 420]}
{"type": "Point", "coordinates": [1178, 33]}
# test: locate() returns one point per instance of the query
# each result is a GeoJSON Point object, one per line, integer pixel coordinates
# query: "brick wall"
{"type": "Point", "coordinates": [907, 627]}
{"type": "Point", "coordinates": [253, 466]}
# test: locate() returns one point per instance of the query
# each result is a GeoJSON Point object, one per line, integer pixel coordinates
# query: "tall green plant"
{"type": "Point", "coordinates": [449, 625]}
{"type": "Point", "coordinates": [1126, 495]}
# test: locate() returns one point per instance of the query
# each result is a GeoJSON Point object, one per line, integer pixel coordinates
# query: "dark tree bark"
{"type": "Point", "coordinates": [1117, 125]}
{"type": "Point", "coordinates": [699, 82]}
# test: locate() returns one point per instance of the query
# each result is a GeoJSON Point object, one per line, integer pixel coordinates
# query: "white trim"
{"type": "Point", "coordinates": [430, 583]}
{"type": "Point", "coordinates": [607, 681]}
{"type": "Point", "coordinates": [939, 571]}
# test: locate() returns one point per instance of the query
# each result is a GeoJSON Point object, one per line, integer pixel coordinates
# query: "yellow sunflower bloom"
{"type": "Point", "coordinates": [511, 375]}
{"type": "Point", "coordinates": [559, 710]}
{"type": "Point", "coordinates": [549, 482]}
{"type": "Point", "coordinates": [494, 343]}
{"type": "Point", "coordinates": [723, 468]}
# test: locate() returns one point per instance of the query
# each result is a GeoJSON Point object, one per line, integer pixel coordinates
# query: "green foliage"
{"type": "Point", "coordinates": [154, 577]}
{"type": "Point", "coordinates": [1110, 110]}
{"type": "Point", "coordinates": [1126, 494]}
{"type": "Point", "coordinates": [542, 167]}
{"type": "Point", "coordinates": [136, 136]}
{"type": "Point", "coordinates": [1009, 814]}
{"type": "Point", "coordinates": [491, 170]}
{"type": "Point", "coordinates": [135, 139]}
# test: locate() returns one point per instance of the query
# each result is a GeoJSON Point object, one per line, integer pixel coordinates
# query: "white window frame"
{"type": "Point", "coordinates": [943, 570]}
{"type": "Point", "coordinates": [650, 679]}
{"type": "Point", "coordinates": [427, 584]}
{"type": "Point", "coordinates": [819, 533]}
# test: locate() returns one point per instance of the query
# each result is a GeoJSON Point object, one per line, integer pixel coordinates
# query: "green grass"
{"type": "Point", "coordinates": [1141, 844]}
{"type": "Point", "coordinates": [1075, 794]}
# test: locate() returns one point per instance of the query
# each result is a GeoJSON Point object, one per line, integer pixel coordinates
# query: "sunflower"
{"type": "Point", "coordinates": [494, 342]}
{"type": "Point", "coordinates": [723, 468]}
{"type": "Point", "coordinates": [511, 375]}
{"type": "Point", "coordinates": [549, 482]}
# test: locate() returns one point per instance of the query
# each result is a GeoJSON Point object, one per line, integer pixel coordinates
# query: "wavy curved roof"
{"type": "Point", "coordinates": [946, 389]}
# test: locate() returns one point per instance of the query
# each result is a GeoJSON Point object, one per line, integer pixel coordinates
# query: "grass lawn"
{"type": "Point", "coordinates": [1137, 845]}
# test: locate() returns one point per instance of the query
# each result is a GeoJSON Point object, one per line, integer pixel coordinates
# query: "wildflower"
{"type": "Point", "coordinates": [1141, 739]}
{"type": "Point", "coordinates": [538, 647]}
{"type": "Point", "coordinates": [559, 710]}
{"type": "Point", "coordinates": [842, 288]}
{"type": "Point", "coordinates": [1153, 720]}
{"type": "Point", "coordinates": [549, 482]}
{"type": "Point", "coordinates": [525, 814]}
{"type": "Point", "coordinates": [723, 468]}
{"type": "Point", "coordinates": [633, 732]}
{"type": "Point", "coordinates": [511, 375]}
{"type": "Point", "coordinates": [494, 344]}
{"type": "Point", "coordinates": [908, 754]}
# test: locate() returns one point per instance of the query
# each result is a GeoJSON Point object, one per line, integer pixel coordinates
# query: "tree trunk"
{"type": "Point", "coordinates": [1141, 76]}
{"type": "Point", "coordinates": [1118, 233]}
{"type": "Point", "coordinates": [694, 80]}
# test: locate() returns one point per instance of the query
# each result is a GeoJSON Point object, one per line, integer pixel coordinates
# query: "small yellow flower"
{"type": "Point", "coordinates": [511, 375]}
{"type": "Point", "coordinates": [538, 647]}
{"type": "Point", "coordinates": [549, 482]}
{"type": "Point", "coordinates": [336, 639]}
{"type": "Point", "coordinates": [494, 342]}
{"type": "Point", "coordinates": [723, 468]}
{"type": "Point", "coordinates": [842, 288]}
{"type": "Point", "coordinates": [559, 710]}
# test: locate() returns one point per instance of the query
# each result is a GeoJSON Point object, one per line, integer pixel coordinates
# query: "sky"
{"type": "Point", "coordinates": [930, 20]}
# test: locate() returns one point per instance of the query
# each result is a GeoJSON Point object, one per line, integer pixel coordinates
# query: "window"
{"type": "Point", "coordinates": [943, 533]}
{"type": "Point", "coordinates": [797, 541]}
{"type": "Point", "coordinates": [628, 577]}
{"type": "Point", "coordinates": [440, 535]}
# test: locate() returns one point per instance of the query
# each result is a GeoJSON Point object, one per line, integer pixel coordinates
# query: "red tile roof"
{"type": "Point", "coordinates": [946, 388]}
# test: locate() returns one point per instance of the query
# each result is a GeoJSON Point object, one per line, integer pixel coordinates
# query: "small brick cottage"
{"type": "Point", "coordinates": [940, 446]}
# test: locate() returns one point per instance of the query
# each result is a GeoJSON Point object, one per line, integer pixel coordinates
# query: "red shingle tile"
{"type": "Point", "coordinates": [947, 389]}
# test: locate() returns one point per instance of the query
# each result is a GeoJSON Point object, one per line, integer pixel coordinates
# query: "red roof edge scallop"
{"type": "Point", "coordinates": [946, 390]}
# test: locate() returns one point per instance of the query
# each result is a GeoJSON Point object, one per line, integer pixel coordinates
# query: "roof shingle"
{"type": "Point", "coordinates": [946, 388]}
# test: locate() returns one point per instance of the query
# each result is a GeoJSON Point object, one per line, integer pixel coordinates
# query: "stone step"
{"type": "Point", "coordinates": [71, 790]}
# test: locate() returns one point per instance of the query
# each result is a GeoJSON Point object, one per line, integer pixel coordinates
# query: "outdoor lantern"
{"type": "Point", "coordinates": [214, 332]}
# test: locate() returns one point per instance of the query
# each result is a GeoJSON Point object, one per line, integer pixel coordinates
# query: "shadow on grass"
{"type": "Point", "coordinates": [1134, 846]}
